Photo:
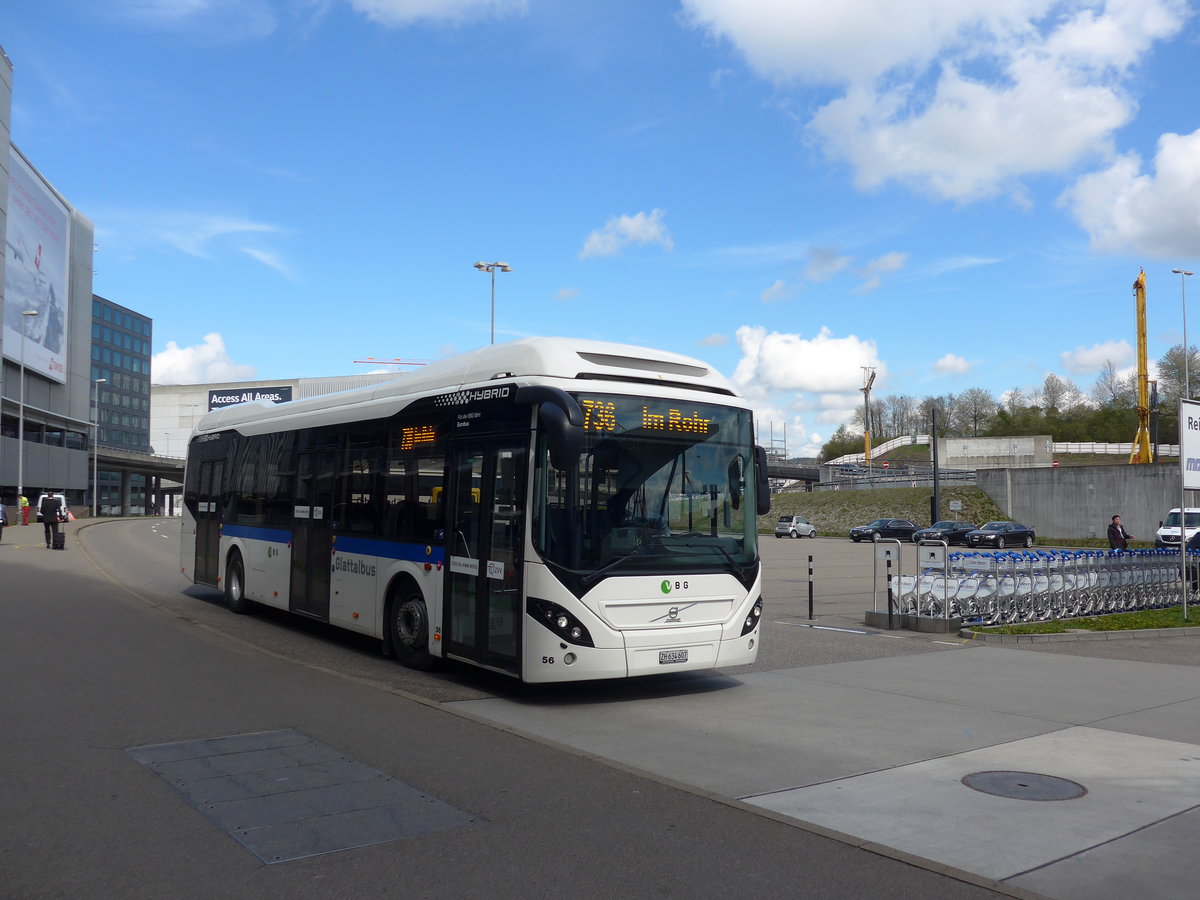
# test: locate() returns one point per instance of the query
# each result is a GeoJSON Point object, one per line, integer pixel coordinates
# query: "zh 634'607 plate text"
{"type": "Point", "coordinates": [671, 656]}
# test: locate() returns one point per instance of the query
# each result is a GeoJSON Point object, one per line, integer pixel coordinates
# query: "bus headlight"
{"type": "Point", "coordinates": [559, 621]}
{"type": "Point", "coordinates": [753, 617]}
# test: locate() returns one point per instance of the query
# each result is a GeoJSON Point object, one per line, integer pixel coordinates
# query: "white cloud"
{"type": "Point", "coordinates": [959, 98]}
{"type": "Point", "coordinates": [198, 364]}
{"type": "Point", "coordinates": [196, 234]}
{"type": "Point", "coordinates": [950, 364]}
{"type": "Point", "coordinates": [714, 340]}
{"type": "Point", "coordinates": [773, 362]}
{"type": "Point", "coordinates": [270, 260]}
{"type": "Point", "coordinates": [780, 290]}
{"type": "Point", "coordinates": [407, 12]}
{"type": "Point", "coordinates": [824, 263]}
{"type": "Point", "coordinates": [1083, 360]}
{"type": "Point", "coordinates": [228, 20]}
{"type": "Point", "coordinates": [570, 293]}
{"type": "Point", "coordinates": [622, 231]}
{"type": "Point", "coordinates": [1157, 214]}
{"type": "Point", "coordinates": [876, 268]}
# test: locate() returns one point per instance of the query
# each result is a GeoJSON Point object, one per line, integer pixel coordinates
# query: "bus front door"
{"type": "Point", "coordinates": [483, 611]}
{"type": "Point", "coordinates": [312, 533]}
{"type": "Point", "coordinates": [208, 522]}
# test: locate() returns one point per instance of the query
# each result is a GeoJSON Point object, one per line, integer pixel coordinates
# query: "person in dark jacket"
{"type": "Point", "coordinates": [50, 510]}
{"type": "Point", "coordinates": [1118, 537]}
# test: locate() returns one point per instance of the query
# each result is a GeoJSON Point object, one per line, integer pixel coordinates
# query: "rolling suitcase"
{"type": "Point", "coordinates": [60, 541]}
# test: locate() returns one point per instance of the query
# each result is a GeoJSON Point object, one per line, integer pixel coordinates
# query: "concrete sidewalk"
{"type": "Point", "coordinates": [877, 750]}
{"type": "Point", "coordinates": [128, 767]}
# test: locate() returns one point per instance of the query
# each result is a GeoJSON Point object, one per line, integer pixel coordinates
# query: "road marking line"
{"type": "Point", "coordinates": [824, 627]}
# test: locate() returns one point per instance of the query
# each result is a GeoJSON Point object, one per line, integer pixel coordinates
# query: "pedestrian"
{"type": "Point", "coordinates": [3, 520]}
{"type": "Point", "coordinates": [24, 504]}
{"type": "Point", "coordinates": [51, 512]}
{"type": "Point", "coordinates": [1118, 537]}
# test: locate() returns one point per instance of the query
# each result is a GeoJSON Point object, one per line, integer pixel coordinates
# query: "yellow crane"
{"type": "Point", "coordinates": [1141, 444]}
{"type": "Point", "coordinates": [868, 379]}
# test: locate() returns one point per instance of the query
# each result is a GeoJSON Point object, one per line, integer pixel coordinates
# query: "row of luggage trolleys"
{"type": "Point", "coordinates": [1036, 585]}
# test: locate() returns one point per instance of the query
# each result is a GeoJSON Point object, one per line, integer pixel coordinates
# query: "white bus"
{"type": "Point", "coordinates": [552, 509]}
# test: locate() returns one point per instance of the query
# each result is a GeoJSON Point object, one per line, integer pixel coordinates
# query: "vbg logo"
{"type": "Point", "coordinates": [667, 586]}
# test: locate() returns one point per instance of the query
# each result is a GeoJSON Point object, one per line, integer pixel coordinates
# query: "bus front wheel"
{"type": "Point", "coordinates": [235, 584]}
{"type": "Point", "coordinates": [409, 624]}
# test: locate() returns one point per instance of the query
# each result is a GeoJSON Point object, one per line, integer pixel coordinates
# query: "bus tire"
{"type": "Point", "coordinates": [235, 584]}
{"type": "Point", "coordinates": [408, 627]}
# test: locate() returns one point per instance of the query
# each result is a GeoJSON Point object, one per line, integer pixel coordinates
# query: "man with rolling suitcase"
{"type": "Point", "coordinates": [50, 510]}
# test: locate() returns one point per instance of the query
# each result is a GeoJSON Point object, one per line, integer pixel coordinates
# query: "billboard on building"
{"type": "Point", "coordinates": [36, 272]}
{"type": "Point", "coordinates": [231, 396]}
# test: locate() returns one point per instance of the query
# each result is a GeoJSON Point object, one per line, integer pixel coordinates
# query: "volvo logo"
{"type": "Point", "coordinates": [673, 614]}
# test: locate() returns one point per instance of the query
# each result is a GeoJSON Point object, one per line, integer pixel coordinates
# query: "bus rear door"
{"type": "Point", "coordinates": [208, 522]}
{"type": "Point", "coordinates": [484, 541]}
{"type": "Point", "coordinates": [312, 533]}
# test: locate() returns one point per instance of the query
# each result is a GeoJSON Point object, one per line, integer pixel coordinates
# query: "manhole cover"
{"type": "Point", "coordinates": [1024, 785]}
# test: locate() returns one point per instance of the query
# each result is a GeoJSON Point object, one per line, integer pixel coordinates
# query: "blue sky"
{"type": "Point", "coordinates": [959, 193]}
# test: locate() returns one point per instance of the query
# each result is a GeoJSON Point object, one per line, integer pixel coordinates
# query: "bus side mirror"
{"type": "Point", "coordinates": [761, 481]}
{"type": "Point", "coordinates": [737, 477]}
{"type": "Point", "coordinates": [562, 420]}
{"type": "Point", "coordinates": [564, 440]}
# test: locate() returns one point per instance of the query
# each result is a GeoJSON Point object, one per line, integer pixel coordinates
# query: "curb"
{"type": "Point", "coordinates": [989, 638]}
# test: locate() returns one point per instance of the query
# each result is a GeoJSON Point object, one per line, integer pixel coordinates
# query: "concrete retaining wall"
{"type": "Point", "coordinates": [1080, 501]}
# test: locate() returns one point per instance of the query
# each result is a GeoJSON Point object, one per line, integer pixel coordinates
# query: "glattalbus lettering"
{"type": "Point", "coordinates": [353, 566]}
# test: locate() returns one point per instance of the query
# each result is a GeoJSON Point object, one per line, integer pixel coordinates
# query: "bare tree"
{"type": "Point", "coordinates": [1058, 395]}
{"type": "Point", "coordinates": [1171, 373]}
{"type": "Point", "coordinates": [944, 406]}
{"type": "Point", "coordinates": [1112, 390]}
{"type": "Point", "coordinates": [973, 410]}
{"type": "Point", "coordinates": [901, 414]}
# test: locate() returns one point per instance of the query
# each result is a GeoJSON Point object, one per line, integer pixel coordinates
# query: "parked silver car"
{"type": "Point", "coordinates": [794, 526]}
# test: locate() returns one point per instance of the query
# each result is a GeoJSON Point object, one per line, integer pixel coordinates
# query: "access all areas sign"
{"type": "Point", "coordinates": [1189, 444]}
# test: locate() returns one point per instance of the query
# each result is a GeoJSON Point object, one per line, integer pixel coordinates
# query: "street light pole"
{"type": "Point", "coordinates": [1187, 386]}
{"type": "Point", "coordinates": [491, 269]}
{"type": "Point", "coordinates": [96, 382]}
{"type": "Point", "coordinates": [29, 314]}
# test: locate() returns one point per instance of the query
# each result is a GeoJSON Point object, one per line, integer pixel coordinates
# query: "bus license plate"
{"type": "Point", "coordinates": [666, 657]}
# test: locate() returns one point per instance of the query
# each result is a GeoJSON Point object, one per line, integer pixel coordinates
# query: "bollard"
{"type": "Point", "coordinates": [810, 587]}
{"type": "Point", "coordinates": [891, 598]}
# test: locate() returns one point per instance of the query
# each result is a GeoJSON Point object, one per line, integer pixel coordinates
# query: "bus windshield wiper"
{"type": "Point", "coordinates": [590, 578]}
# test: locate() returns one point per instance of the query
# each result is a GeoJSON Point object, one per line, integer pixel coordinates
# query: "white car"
{"type": "Point", "coordinates": [794, 526]}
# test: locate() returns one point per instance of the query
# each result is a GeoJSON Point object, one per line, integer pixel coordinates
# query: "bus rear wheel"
{"type": "Point", "coordinates": [408, 623]}
{"type": "Point", "coordinates": [235, 584]}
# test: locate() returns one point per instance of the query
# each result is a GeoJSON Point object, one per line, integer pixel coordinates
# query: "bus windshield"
{"type": "Point", "coordinates": [660, 486]}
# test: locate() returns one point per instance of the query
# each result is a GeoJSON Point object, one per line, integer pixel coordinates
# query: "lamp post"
{"type": "Point", "coordinates": [96, 382]}
{"type": "Point", "coordinates": [491, 269]}
{"type": "Point", "coordinates": [29, 314]}
{"type": "Point", "coordinates": [1187, 387]}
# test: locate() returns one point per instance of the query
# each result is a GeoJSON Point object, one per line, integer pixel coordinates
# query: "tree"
{"type": "Point", "coordinates": [944, 406]}
{"type": "Point", "coordinates": [1171, 373]}
{"type": "Point", "coordinates": [974, 410]}
{"type": "Point", "coordinates": [840, 443]}
{"type": "Point", "coordinates": [1113, 391]}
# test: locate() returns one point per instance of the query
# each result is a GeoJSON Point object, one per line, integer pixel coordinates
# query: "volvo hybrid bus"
{"type": "Point", "coordinates": [552, 509]}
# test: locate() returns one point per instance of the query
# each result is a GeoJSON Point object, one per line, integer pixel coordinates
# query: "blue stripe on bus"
{"type": "Point", "coordinates": [344, 544]}
{"type": "Point", "coordinates": [256, 533]}
{"type": "Point", "coordinates": [389, 549]}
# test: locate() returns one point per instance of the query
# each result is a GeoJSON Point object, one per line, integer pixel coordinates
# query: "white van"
{"type": "Point", "coordinates": [1168, 529]}
{"type": "Point", "coordinates": [63, 504]}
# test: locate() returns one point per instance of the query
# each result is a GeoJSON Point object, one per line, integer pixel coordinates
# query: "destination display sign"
{"type": "Point", "coordinates": [635, 414]}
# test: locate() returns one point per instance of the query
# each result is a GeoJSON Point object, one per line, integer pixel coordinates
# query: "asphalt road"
{"type": "Point", "coordinates": [105, 649]}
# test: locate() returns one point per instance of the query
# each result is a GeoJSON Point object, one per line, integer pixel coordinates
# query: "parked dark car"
{"type": "Point", "coordinates": [950, 532]}
{"type": "Point", "coordinates": [1000, 535]}
{"type": "Point", "coordinates": [883, 528]}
